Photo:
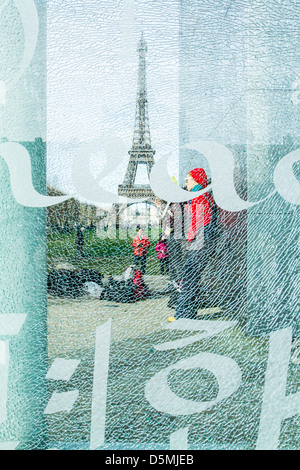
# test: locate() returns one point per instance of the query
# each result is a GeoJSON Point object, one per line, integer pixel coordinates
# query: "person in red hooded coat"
{"type": "Point", "coordinates": [140, 244]}
{"type": "Point", "coordinates": [199, 241]}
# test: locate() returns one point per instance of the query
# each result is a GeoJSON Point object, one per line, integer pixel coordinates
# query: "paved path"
{"type": "Point", "coordinates": [72, 322]}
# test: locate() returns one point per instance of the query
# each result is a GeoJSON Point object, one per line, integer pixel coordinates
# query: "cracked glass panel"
{"type": "Point", "coordinates": [149, 229]}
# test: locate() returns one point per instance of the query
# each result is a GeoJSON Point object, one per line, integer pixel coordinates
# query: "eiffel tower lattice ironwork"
{"type": "Point", "coordinates": [141, 152]}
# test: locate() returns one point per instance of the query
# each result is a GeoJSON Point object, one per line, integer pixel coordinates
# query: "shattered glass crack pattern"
{"type": "Point", "coordinates": [89, 279]}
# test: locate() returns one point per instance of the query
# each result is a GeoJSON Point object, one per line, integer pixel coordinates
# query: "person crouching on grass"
{"type": "Point", "coordinates": [198, 243]}
{"type": "Point", "coordinates": [140, 244]}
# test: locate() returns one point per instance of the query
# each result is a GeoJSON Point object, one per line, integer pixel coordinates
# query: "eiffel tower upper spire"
{"type": "Point", "coordinates": [141, 136]}
{"type": "Point", "coordinates": [141, 151]}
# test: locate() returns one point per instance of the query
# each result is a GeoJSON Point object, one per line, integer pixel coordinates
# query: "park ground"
{"type": "Point", "coordinates": [131, 422]}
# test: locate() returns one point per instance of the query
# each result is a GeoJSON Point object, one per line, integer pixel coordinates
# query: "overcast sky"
{"type": "Point", "coordinates": [92, 78]}
{"type": "Point", "coordinates": [229, 52]}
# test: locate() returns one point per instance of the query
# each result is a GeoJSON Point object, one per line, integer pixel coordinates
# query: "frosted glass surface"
{"type": "Point", "coordinates": [96, 96]}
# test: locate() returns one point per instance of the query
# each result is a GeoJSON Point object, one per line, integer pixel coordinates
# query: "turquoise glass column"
{"type": "Point", "coordinates": [272, 123]}
{"type": "Point", "coordinates": [23, 340]}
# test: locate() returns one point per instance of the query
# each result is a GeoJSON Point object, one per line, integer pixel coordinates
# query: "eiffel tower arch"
{"type": "Point", "coordinates": [141, 152]}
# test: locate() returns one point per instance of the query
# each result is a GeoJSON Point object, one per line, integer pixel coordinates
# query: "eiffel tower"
{"type": "Point", "coordinates": [141, 152]}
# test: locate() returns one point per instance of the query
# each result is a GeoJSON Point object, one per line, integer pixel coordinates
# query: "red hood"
{"type": "Point", "coordinates": [199, 175]}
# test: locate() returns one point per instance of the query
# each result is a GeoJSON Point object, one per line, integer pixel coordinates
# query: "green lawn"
{"type": "Point", "coordinates": [109, 256]}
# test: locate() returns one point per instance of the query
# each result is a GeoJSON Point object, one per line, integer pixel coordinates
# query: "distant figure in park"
{"type": "Point", "coordinates": [172, 220]}
{"type": "Point", "coordinates": [79, 241]}
{"type": "Point", "coordinates": [163, 255]}
{"type": "Point", "coordinates": [140, 244]}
